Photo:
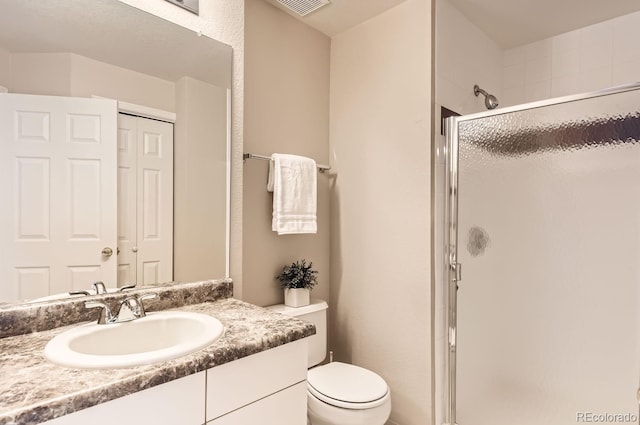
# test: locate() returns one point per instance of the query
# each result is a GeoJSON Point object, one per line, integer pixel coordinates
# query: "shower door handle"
{"type": "Point", "coordinates": [456, 269]}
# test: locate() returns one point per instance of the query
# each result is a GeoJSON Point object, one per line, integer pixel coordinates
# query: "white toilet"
{"type": "Point", "coordinates": [338, 393]}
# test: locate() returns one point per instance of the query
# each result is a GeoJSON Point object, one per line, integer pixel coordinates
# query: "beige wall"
{"type": "Point", "coordinates": [5, 68]}
{"type": "Point", "coordinates": [91, 77]}
{"type": "Point", "coordinates": [380, 205]}
{"type": "Point", "coordinates": [200, 175]}
{"type": "Point", "coordinates": [286, 111]}
{"type": "Point", "coordinates": [41, 73]}
{"type": "Point", "coordinates": [68, 74]}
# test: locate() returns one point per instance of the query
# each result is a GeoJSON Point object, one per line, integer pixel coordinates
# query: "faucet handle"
{"type": "Point", "coordinates": [99, 287]}
{"type": "Point", "coordinates": [124, 288]}
{"type": "Point", "coordinates": [105, 316]}
{"type": "Point", "coordinates": [149, 296]}
{"type": "Point", "coordinates": [143, 297]}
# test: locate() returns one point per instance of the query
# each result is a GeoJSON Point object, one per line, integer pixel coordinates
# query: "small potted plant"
{"type": "Point", "coordinates": [297, 280]}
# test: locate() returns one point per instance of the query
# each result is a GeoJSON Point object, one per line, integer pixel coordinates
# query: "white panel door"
{"type": "Point", "coordinates": [127, 177]}
{"type": "Point", "coordinates": [155, 201]}
{"type": "Point", "coordinates": [58, 185]}
{"type": "Point", "coordinates": [145, 200]}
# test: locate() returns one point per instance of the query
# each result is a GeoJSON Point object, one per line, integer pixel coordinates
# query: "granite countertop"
{"type": "Point", "coordinates": [33, 390]}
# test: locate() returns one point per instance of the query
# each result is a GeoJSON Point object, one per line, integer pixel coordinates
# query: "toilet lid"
{"type": "Point", "coordinates": [345, 385]}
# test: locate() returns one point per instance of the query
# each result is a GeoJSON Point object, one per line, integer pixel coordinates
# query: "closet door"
{"type": "Point", "coordinates": [145, 201]}
{"type": "Point", "coordinates": [127, 177]}
{"type": "Point", "coordinates": [155, 201]}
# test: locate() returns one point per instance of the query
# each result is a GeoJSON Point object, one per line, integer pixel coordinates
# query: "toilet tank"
{"type": "Point", "coordinates": [316, 313]}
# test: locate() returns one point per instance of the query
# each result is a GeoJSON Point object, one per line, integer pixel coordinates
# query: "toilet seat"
{"type": "Point", "coordinates": [347, 386]}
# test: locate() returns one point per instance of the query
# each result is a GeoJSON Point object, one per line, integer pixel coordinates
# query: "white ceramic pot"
{"type": "Point", "coordinates": [296, 297]}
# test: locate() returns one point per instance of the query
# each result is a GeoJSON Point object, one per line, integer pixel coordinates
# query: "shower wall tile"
{"type": "Point", "coordinates": [565, 63]}
{"type": "Point", "coordinates": [538, 50]}
{"type": "Point", "coordinates": [600, 34]}
{"type": "Point", "coordinates": [584, 60]}
{"type": "Point", "coordinates": [513, 56]}
{"type": "Point", "coordinates": [513, 76]}
{"type": "Point", "coordinates": [538, 70]}
{"type": "Point", "coordinates": [626, 33]}
{"type": "Point", "coordinates": [596, 78]}
{"type": "Point", "coordinates": [566, 42]}
{"type": "Point", "coordinates": [565, 85]}
{"type": "Point", "coordinates": [626, 71]}
{"type": "Point", "coordinates": [513, 96]}
{"type": "Point", "coordinates": [595, 55]}
{"type": "Point", "coordinates": [538, 91]}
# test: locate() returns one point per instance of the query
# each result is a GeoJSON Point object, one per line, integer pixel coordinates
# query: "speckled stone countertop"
{"type": "Point", "coordinates": [33, 390]}
{"type": "Point", "coordinates": [18, 319]}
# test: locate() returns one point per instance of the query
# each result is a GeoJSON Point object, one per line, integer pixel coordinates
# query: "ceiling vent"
{"type": "Point", "coordinates": [303, 7]}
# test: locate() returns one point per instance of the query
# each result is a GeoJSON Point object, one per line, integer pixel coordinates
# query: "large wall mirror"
{"type": "Point", "coordinates": [114, 149]}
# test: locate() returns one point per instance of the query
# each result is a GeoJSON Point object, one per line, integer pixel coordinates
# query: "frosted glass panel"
{"type": "Point", "coordinates": [549, 240]}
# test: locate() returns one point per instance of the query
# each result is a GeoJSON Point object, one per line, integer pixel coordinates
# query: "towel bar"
{"type": "Point", "coordinates": [321, 167]}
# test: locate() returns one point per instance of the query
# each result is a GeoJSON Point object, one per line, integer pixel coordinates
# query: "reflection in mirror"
{"type": "Point", "coordinates": [113, 149]}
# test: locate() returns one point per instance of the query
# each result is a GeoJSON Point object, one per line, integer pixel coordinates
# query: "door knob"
{"type": "Point", "coordinates": [107, 252]}
{"type": "Point", "coordinates": [134, 249]}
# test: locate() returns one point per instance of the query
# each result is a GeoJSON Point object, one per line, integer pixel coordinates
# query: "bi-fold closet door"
{"type": "Point", "coordinates": [145, 200]}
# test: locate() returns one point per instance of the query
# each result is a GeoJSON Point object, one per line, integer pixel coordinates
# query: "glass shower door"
{"type": "Point", "coordinates": [548, 234]}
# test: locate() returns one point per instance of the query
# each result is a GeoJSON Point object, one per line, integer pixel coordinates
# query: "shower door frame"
{"type": "Point", "coordinates": [453, 270]}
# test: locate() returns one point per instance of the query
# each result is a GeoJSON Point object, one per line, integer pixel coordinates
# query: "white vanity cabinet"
{"type": "Point", "coordinates": [267, 388]}
{"type": "Point", "coordinates": [286, 407]}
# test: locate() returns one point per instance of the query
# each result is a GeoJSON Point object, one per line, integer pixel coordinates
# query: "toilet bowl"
{"type": "Point", "coordinates": [343, 394]}
{"type": "Point", "coordinates": [338, 393]}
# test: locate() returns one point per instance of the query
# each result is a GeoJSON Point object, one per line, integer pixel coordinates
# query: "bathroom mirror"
{"type": "Point", "coordinates": [108, 49]}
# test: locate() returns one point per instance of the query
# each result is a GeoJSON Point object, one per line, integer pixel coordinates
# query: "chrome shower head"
{"type": "Point", "coordinates": [490, 101]}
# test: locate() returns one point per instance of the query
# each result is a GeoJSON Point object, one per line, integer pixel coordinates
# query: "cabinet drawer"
{"type": "Point", "coordinates": [287, 407]}
{"type": "Point", "coordinates": [176, 402]}
{"type": "Point", "coordinates": [241, 382]}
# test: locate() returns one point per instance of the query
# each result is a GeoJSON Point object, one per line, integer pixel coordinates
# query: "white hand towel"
{"type": "Point", "coordinates": [294, 182]}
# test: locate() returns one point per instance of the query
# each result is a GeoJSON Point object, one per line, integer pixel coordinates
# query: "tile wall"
{"type": "Point", "coordinates": [591, 58]}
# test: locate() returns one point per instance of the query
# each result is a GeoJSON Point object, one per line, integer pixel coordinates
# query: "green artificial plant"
{"type": "Point", "coordinates": [298, 275]}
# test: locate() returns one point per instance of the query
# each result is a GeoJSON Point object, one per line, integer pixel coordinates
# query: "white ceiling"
{"type": "Point", "coordinates": [510, 23]}
{"type": "Point", "coordinates": [341, 15]}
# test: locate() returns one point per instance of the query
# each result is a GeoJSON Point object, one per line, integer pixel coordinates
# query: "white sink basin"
{"type": "Point", "coordinates": [159, 336]}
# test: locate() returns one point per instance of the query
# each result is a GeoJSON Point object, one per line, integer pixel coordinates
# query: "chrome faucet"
{"type": "Point", "coordinates": [131, 308]}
